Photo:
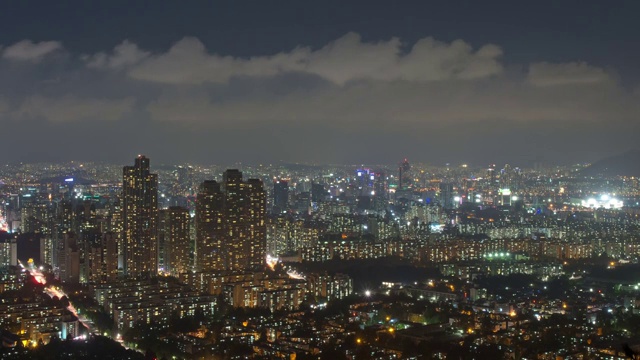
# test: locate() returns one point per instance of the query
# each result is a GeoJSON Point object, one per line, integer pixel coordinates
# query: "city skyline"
{"type": "Point", "coordinates": [373, 84]}
{"type": "Point", "coordinates": [185, 251]}
{"type": "Point", "coordinates": [339, 180]}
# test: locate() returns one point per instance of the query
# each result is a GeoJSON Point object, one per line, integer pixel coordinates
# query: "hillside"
{"type": "Point", "coordinates": [626, 164]}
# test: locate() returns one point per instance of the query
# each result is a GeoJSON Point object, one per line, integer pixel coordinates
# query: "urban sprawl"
{"type": "Point", "coordinates": [298, 261]}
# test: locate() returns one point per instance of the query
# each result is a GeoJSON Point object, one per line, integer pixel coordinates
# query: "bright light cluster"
{"type": "Point", "coordinates": [272, 261]}
{"type": "Point", "coordinates": [605, 201]}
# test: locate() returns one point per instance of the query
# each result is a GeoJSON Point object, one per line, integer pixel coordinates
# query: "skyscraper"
{"type": "Point", "coordinates": [257, 235]}
{"type": "Point", "coordinates": [404, 177]}
{"type": "Point", "coordinates": [209, 226]}
{"type": "Point", "coordinates": [381, 191]}
{"type": "Point", "coordinates": [234, 244]}
{"type": "Point", "coordinates": [244, 218]}
{"type": "Point", "coordinates": [280, 196]}
{"type": "Point", "coordinates": [173, 240]}
{"type": "Point", "coordinates": [68, 259]}
{"type": "Point", "coordinates": [140, 217]}
{"type": "Point", "coordinates": [231, 224]}
{"type": "Point", "coordinates": [491, 174]}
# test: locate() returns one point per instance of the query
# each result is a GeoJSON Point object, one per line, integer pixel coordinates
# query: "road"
{"type": "Point", "coordinates": [55, 291]}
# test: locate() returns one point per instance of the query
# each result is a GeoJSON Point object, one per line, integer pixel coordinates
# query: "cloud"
{"type": "Point", "coordinates": [26, 50]}
{"type": "Point", "coordinates": [345, 59]}
{"type": "Point", "coordinates": [550, 74]}
{"type": "Point", "coordinates": [341, 101]}
{"type": "Point", "coordinates": [380, 104]}
{"type": "Point", "coordinates": [348, 58]}
{"type": "Point", "coordinates": [71, 108]}
{"type": "Point", "coordinates": [124, 54]}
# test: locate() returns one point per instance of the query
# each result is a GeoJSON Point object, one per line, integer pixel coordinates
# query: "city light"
{"type": "Point", "coordinates": [272, 261]}
{"type": "Point", "coordinates": [605, 201]}
{"type": "Point", "coordinates": [53, 291]}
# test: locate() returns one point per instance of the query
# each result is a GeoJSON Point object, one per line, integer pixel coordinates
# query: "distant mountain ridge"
{"type": "Point", "coordinates": [626, 164]}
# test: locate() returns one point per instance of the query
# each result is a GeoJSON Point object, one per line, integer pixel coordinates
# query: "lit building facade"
{"type": "Point", "coordinates": [231, 224]}
{"type": "Point", "coordinates": [102, 260]}
{"type": "Point", "coordinates": [8, 253]}
{"type": "Point", "coordinates": [209, 226]}
{"type": "Point", "coordinates": [174, 240]}
{"type": "Point", "coordinates": [140, 217]}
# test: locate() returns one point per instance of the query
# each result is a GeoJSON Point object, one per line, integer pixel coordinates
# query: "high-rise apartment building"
{"type": "Point", "coordinates": [256, 221]}
{"type": "Point", "coordinates": [174, 241]}
{"type": "Point", "coordinates": [209, 226]}
{"type": "Point", "coordinates": [230, 224]}
{"type": "Point", "coordinates": [140, 217]}
{"type": "Point", "coordinates": [67, 263]}
{"type": "Point", "coordinates": [8, 252]}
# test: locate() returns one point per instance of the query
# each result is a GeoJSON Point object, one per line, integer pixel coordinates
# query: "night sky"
{"type": "Point", "coordinates": [319, 81]}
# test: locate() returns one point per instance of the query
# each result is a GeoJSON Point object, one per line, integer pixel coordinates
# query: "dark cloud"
{"type": "Point", "coordinates": [348, 101]}
{"type": "Point", "coordinates": [70, 108]}
{"type": "Point", "coordinates": [547, 74]}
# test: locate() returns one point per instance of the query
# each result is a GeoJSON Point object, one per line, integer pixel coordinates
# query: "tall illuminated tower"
{"type": "Point", "coordinates": [257, 229]}
{"type": "Point", "coordinates": [209, 226]}
{"type": "Point", "coordinates": [231, 224]}
{"type": "Point", "coordinates": [244, 222]}
{"type": "Point", "coordinates": [174, 241]}
{"type": "Point", "coordinates": [140, 217]}
{"type": "Point", "coordinates": [235, 216]}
